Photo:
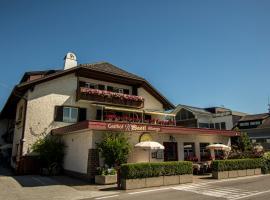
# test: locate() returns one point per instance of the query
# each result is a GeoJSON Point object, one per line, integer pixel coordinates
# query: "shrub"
{"type": "Point", "coordinates": [51, 152]}
{"type": "Point", "coordinates": [106, 171]}
{"type": "Point", "coordinates": [145, 170]}
{"type": "Point", "coordinates": [114, 149]}
{"type": "Point", "coordinates": [236, 164]}
{"type": "Point", "coordinates": [266, 163]}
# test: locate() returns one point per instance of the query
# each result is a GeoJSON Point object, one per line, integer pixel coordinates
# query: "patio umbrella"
{"type": "Point", "coordinates": [218, 147]}
{"type": "Point", "coordinates": [149, 145]}
{"type": "Point", "coordinates": [258, 148]}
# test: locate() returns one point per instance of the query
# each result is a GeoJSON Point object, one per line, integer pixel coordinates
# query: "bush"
{"type": "Point", "coordinates": [236, 164]}
{"type": "Point", "coordinates": [266, 163]}
{"type": "Point", "coordinates": [114, 149]}
{"type": "Point", "coordinates": [145, 170]}
{"type": "Point", "coordinates": [106, 171]}
{"type": "Point", "coordinates": [51, 152]}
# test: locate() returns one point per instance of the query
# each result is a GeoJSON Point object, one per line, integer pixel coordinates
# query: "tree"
{"type": "Point", "coordinates": [244, 142]}
{"type": "Point", "coordinates": [114, 149]}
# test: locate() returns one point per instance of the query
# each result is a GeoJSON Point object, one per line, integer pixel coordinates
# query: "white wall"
{"type": "Point", "coordinates": [150, 102]}
{"type": "Point", "coordinates": [78, 144]}
{"type": "Point", "coordinates": [41, 107]}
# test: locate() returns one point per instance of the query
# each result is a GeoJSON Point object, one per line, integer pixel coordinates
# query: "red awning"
{"type": "Point", "coordinates": [133, 127]}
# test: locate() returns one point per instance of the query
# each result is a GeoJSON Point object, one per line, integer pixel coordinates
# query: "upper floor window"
{"type": "Point", "coordinates": [203, 125]}
{"type": "Point", "coordinates": [69, 114]}
{"type": "Point", "coordinates": [244, 124]}
{"type": "Point", "coordinates": [20, 114]}
{"type": "Point", "coordinates": [104, 87]}
{"type": "Point", "coordinates": [223, 125]}
{"type": "Point", "coordinates": [184, 114]}
{"type": "Point", "coordinates": [255, 123]}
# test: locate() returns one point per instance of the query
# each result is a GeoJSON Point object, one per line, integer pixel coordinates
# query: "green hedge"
{"type": "Point", "coordinates": [145, 170]}
{"type": "Point", "coordinates": [236, 164]}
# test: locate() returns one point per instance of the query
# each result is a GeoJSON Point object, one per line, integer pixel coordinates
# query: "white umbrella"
{"type": "Point", "coordinates": [149, 145]}
{"type": "Point", "coordinates": [258, 148]}
{"type": "Point", "coordinates": [218, 147]}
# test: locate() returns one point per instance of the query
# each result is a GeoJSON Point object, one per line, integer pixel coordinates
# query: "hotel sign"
{"type": "Point", "coordinates": [131, 127]}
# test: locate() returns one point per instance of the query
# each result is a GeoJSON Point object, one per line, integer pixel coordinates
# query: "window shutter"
{"type": "Point", "coordinates": [58, 114]}
{"type": "Point", "coordinates": [98, 117]}
{"type": "Point", "coordinates": [82, 114]}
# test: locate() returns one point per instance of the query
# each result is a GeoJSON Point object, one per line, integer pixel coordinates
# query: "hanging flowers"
{"type": "Point", "coordinates": [108, 94]}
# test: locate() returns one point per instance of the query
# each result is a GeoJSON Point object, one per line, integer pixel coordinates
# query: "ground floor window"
{"type": "Point", "coordinates": [204, 153]}
{"type": "Point", "coordinates": [170, 151]}
{"type": "Point", "coordinates": [189, 151]}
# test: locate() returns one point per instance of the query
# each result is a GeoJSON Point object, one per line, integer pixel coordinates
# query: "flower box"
{"type": "Point", "coordinates": [105, 179]}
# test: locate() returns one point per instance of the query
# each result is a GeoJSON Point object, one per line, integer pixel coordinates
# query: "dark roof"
{"type": "Point", "coordinates": [265, 124]}
{"type": "Point", "coordinates": [195, 109]}
{"type": "Point", "coordinates": [111, 69]}
{"type": "Point", "coordinates": [31, 73]}
{"type": "Point", "coordinates": [254, 117]}
{"type": "Point", "coordinates": [102, 68]}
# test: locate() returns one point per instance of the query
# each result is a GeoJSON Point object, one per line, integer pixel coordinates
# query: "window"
{"type": "Point", "coordinates": [101, 87]}
{"type": "Point", "coordinates": [223, 125]}
{"type": "Point", "coordinates": [211, 125]}
{"type": "Point", "coordinates": [70, 114]}
{"type": "Point", "coordinates": [126, 91]}
{"type": "Point", "coordinates": [204, 153]}
{"type": "Point", "coordinates": [261, 140]}
{"type": "Point", "coordinates": [203, 125]}
{"type": "Point", "coordinates": [91, 85]}
{"type": "Point", "coordinates": [189, 151]}
{"type": "Point", "coordinates": [244, 124]}
{"type": "Point", "coordinates": [217, 125]}
{"type": "Point", "coordinates": [255, 123]}
{"type": "Point", "coordinates": [20, 114]}
{"type": "Point", "coordinates": [110, 88]}
{"type": "Point", "coordinates": [120, 91]}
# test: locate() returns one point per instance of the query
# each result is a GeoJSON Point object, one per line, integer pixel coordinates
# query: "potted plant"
{"type": "Point", "coordinates": [114, 148]}
{"type": "Point", "coordinates": [106, 176]}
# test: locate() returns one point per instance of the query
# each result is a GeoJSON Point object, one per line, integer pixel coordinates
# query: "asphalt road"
{"type": "Point", "coordinates": [234, 189]}
{"type": "Point", "coordinates": [34, 187]}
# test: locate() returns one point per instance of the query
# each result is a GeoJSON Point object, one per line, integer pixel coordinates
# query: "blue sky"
{"type": "Point", "coordinates": [200, 53]}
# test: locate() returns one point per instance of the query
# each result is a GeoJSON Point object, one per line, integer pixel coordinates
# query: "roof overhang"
{"type": "Point", "coordinates": [133, 127]}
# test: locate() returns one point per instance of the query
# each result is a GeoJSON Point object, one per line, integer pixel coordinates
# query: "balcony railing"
{"type": "Point", "coordinates": [137, 119]}
{"type": "Point", "coordinates": [111, 98]}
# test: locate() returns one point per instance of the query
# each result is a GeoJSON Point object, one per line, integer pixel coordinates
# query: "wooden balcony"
{"type": "Point", "coordinates": [109, 98]}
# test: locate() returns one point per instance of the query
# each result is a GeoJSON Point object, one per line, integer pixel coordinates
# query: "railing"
{"type": "Point", "coordinates": [111, 98]}
{"type": "Point", "coordinates": [125, 118]}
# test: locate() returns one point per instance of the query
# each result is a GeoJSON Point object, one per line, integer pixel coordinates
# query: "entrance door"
{"type": "Point", "coordinates": [170, 151]}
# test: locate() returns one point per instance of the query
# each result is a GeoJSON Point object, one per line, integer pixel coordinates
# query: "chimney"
{"type": "Point", "coordinates": [70, 61]}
